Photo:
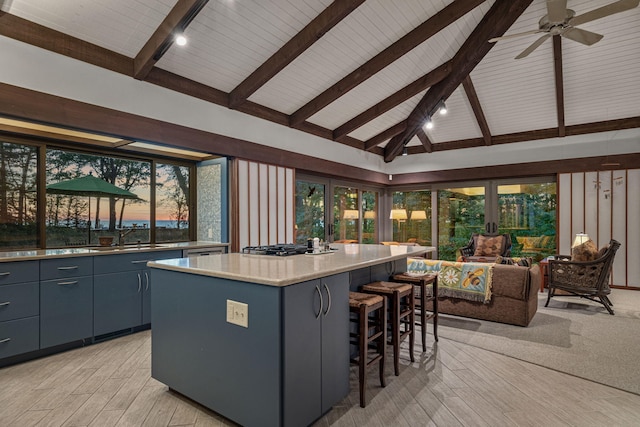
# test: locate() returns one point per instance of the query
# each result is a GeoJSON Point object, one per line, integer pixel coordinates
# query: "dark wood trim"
{"type": "Point", "coordinates": [29, 32]}
{"type": "Point", "coordinates": [494, 24]}
{"type": "Point", "coordinates": [176, 21]}
{"type": "Point", "coordinates": [318, 27]}
{"type": "Point", "coordinates": [424, 139]}
{"type": "Point", "coordinates": [472, 96]}
{"type": "Point", "coordinates": [35, 106]}
{"type": "Point", "coordinates": [626, 161]}
{"type": "Point", "coordinates": [410, 90]}
{"type": "Point", "coordinates": [418, 35]}
{"type": "Point", "coordinates": [384, 135]}
{"type": "Point", "coordinates": [557, 67]}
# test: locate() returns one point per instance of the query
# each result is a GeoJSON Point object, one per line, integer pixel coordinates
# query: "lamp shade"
{"type": "Point", "coordinates": [370, 215]}
{"type": "Point", "coordinates": [580, 239]}
{"type": "Point", "coordinates": [418, 215]}
{"type": "Point", "coordinates": [351, 214]}
{"type": "Point", "coordinates": [398, 214]}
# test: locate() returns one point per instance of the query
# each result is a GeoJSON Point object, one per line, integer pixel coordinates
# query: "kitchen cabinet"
{"type": "Point", "coordinates": [19, 308]}
{"type": "Point", "coordinates": [66, 300]}
{"type": "Point", "coordinates": [316, 347]}
{"type": "Point", "coordinates": [122, 290]}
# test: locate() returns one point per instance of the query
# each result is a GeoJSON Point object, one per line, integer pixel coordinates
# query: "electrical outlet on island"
{"type": "Point", "coordinates": [238, 313]}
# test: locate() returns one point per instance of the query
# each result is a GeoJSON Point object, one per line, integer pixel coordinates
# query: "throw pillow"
{"type": "Point", "coordinates": [587, 251]}
{"type": "Point", "coordinates": [488, 246]}
{"type": "Point", "coordinates": [524, 261]}
{"type": "Point", "coordinates": [603, 250]}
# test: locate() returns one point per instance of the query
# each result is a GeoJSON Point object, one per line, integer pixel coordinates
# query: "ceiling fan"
{"type": "Point", "coordinates": [562, 21]}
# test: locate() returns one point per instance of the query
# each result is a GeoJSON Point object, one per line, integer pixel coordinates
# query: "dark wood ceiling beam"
{"type": "Point", "coordinates": [472, 96]}
{"type": "Point", "coordinates": [415, 37]}
{"type": "Point", "coordinates": [494, 24]}
{"type": "Point", "coordinates": [424, 139]}
{"type": "Point", "coordinates": [318, 27]}
{"type": "Point", "coordinates": [175, 22]}
{"type": "Point", "coordinates": [410, 90]}
{"type": "Point", "coordinates": [384, 135]}
{"type": "Point", "coordinates": [557, 67]}
{"type": "Point", "coordinates": [37, 35]}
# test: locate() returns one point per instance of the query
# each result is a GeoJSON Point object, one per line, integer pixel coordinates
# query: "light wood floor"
{"type": "Point", "coordinates": [109, 384]}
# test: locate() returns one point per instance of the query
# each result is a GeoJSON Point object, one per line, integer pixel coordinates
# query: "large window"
{"type": "Point", "coordinates": [346, 214]}
{"type": "Point", "coordinates": [310, 212]}
{"type": "Point", "coordinates": [18, 195]}
{"type": "Point", "coordinates": [172, 203]}
{"type": "Point", "coordinates": [411, 217]}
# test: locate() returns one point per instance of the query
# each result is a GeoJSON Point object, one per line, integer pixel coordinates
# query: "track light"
{"type": "Point", "coordinates": [428, 124]}
{"type": "Point", "coordinates": [181, 40]}
{"type": "Point", "coordinates": [442, 108]}
{"type": "Point", "coordinates": [404, 151]}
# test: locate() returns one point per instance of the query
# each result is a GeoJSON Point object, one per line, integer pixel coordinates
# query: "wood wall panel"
{"type": "Point", "coordinates": [632, 249]}
{"type": "Point", "coordinates": [564, 213]}
{"type": "Point", "coordinates": [265, 204]}
{"type": "Point", "coordinates": [607, 205]}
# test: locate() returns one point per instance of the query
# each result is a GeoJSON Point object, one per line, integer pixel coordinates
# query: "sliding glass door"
{"type": "Point", "coordinates": [525, 209]}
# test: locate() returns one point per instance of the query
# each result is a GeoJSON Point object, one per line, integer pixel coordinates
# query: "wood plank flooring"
{"type": "Point", "coordinates": [109, 384]}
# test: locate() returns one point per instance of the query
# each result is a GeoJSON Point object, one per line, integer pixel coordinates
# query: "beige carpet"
{"type": "Point", "coordinates": [571, 335]}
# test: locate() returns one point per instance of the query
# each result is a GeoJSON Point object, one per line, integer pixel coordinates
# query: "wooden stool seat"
{"type": "Point", "coordinates": [372, 332]}
{"type": "Point", "coordinates": [421, 283]}
{"type": "Point", "coordinates": [401, 312]}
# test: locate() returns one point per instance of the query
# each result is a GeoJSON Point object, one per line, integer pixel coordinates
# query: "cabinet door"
{"type": "Point", "coordinates": [335, 339]}
{"type": "Point", "coordinates": [146, 296]}
{"type": "Point", "coordinates": [66, 310]}
{"type": "Point", "coordinates": [302, 353]}
{"type": "Point", "coordinates": [117, 301]}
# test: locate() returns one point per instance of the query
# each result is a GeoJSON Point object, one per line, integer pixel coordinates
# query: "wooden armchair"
{"type": "Point", "coordinates": [584, 279]}
{"type": "Point", "coordinates": [485, 248]}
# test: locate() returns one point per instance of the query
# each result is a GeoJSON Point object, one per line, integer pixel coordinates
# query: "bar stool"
{"type": "Point", "coordinates": [421, 282]}
{"type": "Point", "coordinates": [370, 329]}
{"type": "Point", "coordinates": [401, 312]}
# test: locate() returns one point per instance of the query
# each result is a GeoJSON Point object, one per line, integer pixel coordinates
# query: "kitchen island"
{"type": "Point", "coordinates": [262, 340]}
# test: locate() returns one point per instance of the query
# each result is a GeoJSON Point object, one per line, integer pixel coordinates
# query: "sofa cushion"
{"type": "Point", "coordinates": [511, 281]}
{"type": "Point", "coordinates": [587, 251]}
{"type": "Point", "coordinates": [489, 245]}
{"type": "Point", "coordinates": [523, 261]}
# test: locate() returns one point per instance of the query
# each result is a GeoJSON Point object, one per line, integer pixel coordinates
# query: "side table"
{"type": "Point", "coordinates": [544, 273]}
{"type": "Point", "coordinates": [422, 282]}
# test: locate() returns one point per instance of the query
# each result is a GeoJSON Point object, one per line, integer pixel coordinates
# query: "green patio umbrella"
{"type": "Point", "coordinates": [89, 186]}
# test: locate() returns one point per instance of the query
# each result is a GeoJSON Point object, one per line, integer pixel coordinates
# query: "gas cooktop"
{"type": "Point", "coordinates": [276, 250]}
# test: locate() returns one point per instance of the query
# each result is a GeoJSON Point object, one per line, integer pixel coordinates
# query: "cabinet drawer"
{"type": "Point", "coordinates": [61, 268]}
{"type": "Point", "coordinates": [130, 261]}
{"type": "Point", "coordinates": [20, 300]}
{"type": "Point", "coordinates": [18, 272]}
{"type": "Point", "coordinates": [19, 336]}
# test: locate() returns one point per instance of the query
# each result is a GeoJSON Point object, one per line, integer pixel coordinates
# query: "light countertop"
{"type": "Point", "coordinates": [35, 254]}
{"type": "Point", "coordinates": [283, 271]}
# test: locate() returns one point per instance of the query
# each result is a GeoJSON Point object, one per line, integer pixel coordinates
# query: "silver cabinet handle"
{"type": "Point", "coordinates": [146, 278]}
{"type": "Point", "coordinates": [6, 273]}
{"type": "Point", "coordinates": [328, 299]}
{"type": "Point", "coordinates": [4, 304]}
{"type": "Point", "coordinates": [139, 283]}
{"type": "Point", "coordinates": [71, 267]}
{"type": "Point", "coordinates": [142, 261]}
{"type": "Point", "coordinates": [73, 282]}
{"type": "Point", "coordinates": [5, 340]}
{"type": "Point", "coordinates": [321, 303]}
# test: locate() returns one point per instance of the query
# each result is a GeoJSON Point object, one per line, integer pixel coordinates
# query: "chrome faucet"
{"type": "Point", "coordinates": [122, 233]}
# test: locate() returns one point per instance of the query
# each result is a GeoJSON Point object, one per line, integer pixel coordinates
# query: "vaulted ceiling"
{"type": "Point", "coordinates": [362, 73]}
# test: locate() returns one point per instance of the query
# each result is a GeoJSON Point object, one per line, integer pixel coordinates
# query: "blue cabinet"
{"type": "Point", "coordinates": [122, 290]}
{"type": "Point", "coordinates": [19, 308]}
{"type": "Point", "coordinates": [315, 347]}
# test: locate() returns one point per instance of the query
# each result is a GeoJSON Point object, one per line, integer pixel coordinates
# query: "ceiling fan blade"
{"type": "Point", "coordinates": [533, 46]}
{"type": "Point", "coordinates": [601, 12]}
{"type": "Point", "coordinates": [556, 10]}
{"type": "Point", "coordinates": [581, 36]}
{"type": "Point", "coordinates": [512, 36]}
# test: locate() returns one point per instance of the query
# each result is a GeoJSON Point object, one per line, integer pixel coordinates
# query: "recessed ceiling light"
{"type": "Point", "coordinates": [181, 40]}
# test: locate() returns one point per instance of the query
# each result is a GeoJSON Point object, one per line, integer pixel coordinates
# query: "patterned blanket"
{"type": "Point", "coordinates": [465, 280]}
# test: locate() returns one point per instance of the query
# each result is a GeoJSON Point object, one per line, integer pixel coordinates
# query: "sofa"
{"type": "Point", "coordinates": [514, 297]}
